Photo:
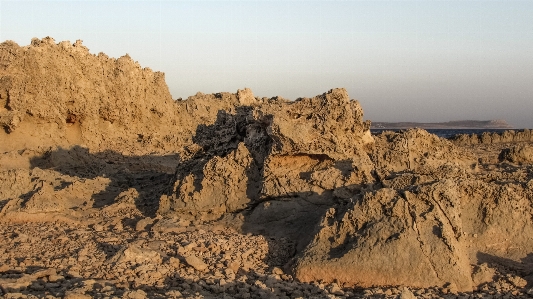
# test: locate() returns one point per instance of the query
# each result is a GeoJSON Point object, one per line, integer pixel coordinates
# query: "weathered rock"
{"type": "Point", "coordinates": [10, 284]}
{"type": "Point", "coordinates": [246, 97]}
{"type": "Point", "coordinates": [174, 262]}
{"type": "Point", "coordinates": [386, 238]}
{"type": "Point", "coordinates": [416, 150]}
{"type": "Point", "coordinates": [310, 150]}
{"type": "Point", "coordinates": [76, 295]}
{"type": "Point", "coordinates": [83, 138]}
{"type": "Point", "coordinates": [519, 154]}
{"type": "Point", "coordinates": [48, 199]}
{"type": "Point", "coordinates": [137, 294]}
{"type": "Point", "coordinates": [222, 187]}
{"type": "Point", "coordinates": [482, 274]}
{"type": "Point", "coordinates": [135, 254]}
{"type": "Point", "coordinates": [329, 124]}
{"type": "Point", "coordinates": [508, 136]}
{"type": "Point", "coordinates": [196, 263]}
{"type": "Point", "coordinates": [407, 294]}
{"type": "Point", "coordinates": [61, 95]}
{"type": "Point", "coordinates": [143, 224]}
{"type": "Point", "coordinates": [517, 281]}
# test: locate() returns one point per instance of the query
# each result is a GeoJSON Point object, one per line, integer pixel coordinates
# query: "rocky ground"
{"type": "Point", "coordinates": [117, 252]}
{"type": "Point", "coordinates": [124, 258]}
{"type": "Point", "coordinates": [109, 188]}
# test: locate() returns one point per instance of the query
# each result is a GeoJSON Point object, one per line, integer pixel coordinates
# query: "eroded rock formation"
{"type": "Point", "coordinates": [87, 136]}
{"type": "Point", "coordinates": [276, 149]}
{"type": "Point", "coordinates": [491, 138]}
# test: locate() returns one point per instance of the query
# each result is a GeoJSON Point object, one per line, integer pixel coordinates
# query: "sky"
{"type": "Point", "coordinates": [426, 61]}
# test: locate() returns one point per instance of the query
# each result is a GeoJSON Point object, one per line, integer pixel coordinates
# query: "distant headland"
{"type": "Point", "coordinates": [460, 124]}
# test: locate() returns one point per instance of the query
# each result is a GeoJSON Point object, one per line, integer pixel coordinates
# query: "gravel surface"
{"type": "Point", "coordinates": [120, 259]}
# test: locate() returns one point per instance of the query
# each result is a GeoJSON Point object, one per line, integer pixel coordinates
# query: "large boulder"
{"type": "Point", "coordinates": [388, 238]}
{"type": "Point", "coordinates": [216, 186]}
{"type": "Point", "coordinates": [421, 231]}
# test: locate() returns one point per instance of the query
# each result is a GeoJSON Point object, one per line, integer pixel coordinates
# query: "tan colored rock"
{"type": "Point", "coordinates": [517, 281]}
{"type": "Point", "coordinates": [277, 270]}
{"type": "Point", "coordinates": [482, 274]}
{"type": "Point", "coordinates": [246, 97]}
{"type": "Point", "coordinates": [407, 294]}
{"type": "Point", "coordinates": [10, 284]}
{"type": "Point", "coordinates": [143, 224]}
{"type": "Point", "coordinates": [136, 254]}
{"type": "Point", "coordinates": [219, 186]}
{"type": "Point", "coordinates": [136, 294]}
{"type": "Point", "coordinates": [507, 136]}
{"type": "Point", "coordinates": [519, 154]}
{"type": "Point", "coordinates": [196, 263]}
{"type": "Point", "coordinates": [277, 149]}
{"type": "Point", "coordinates": [82, 153]}
{"type": "Point", "coordinates": [416, 150]}
{"type": "Point", "coordinates": [329, 124]}
{"type": "Point", "coordinates": [48, 199]}
{"type": "Point", "coordinates": [76, 295]}
{"type": "Point", "coordinates": [83, 98]}
{"type": "Point", "coordinates": [174, 262]}
{"type": "Point", "coordinates": [387, 238]}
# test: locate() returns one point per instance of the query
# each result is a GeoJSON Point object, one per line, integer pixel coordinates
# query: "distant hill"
{"type": "Point", "coordinates": [460, 124]}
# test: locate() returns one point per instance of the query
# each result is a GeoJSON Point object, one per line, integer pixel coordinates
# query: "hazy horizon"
{"type": "Point", "coordinates": [420, 61]}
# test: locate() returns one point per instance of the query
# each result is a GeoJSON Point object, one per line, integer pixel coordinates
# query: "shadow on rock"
{"type": "Point", "coordinates": [226, 176]}
{"type": "Point", "coordinates": [243, 284]}
{"type": "Point", "coordinates": [112, 173]}
{"type": "Point", "coordinates": [294, 218]}
{"type": "Point", "coordinates": [222, 138]}
{"type": "Point", "coordinates": [523, 268]}
{"type": "Point", "coordinates": [223, 172]}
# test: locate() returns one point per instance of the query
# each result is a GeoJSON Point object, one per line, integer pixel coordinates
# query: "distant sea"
{"type": "Point", "coordinates": [447, 133]}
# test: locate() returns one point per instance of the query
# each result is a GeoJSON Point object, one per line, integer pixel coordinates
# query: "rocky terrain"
{"type": "Point", "coordinates": [458, 124]}
{"type": "Point", "coordinates": [109, 188]}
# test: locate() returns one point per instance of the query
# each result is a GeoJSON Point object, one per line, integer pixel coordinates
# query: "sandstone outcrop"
{"type": "Point", "coordinates": [216, 193]}
{"type": "Point", "coordinates": [429, 231]}
{"type": "Point", "coordinates": [416, 150]}
{"type": "Point", "coordinates": [508, 136]}
{"type": "Point", "coordinates": [386, 238]}
{"type": "Point", "coordinates": [61, 95]}
{"type": "Point", "coordinates": [520, 154]}
{"type": "Point", "coordinates": [275, 149]}
{"type": "Point", "coordinates": [432, 214]}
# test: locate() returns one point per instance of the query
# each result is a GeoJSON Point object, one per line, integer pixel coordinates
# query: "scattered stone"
{"type": "Point", "coordinates": [137, 255]}
{"type": "Point", "coordinates": [174, 262]}
{"type": "Point", "coordinates": [407, 294]}
{"type": "Point", "coordinates": [143, 224]}
{"type": "Point", "coordinates": [277, 270]}
{"type": "Point", "coordinates": [336, 290]}
{"type": "Point", "coordinates": [76, 295]}
{"type": "Point", "coordinates": [482, 274]}
{"type": "Point", "coordinates": [137, 294]}
{"type": "Point", "coordinates": [517, 281]}
{"type": "Point", "coordinates": [196, 263]}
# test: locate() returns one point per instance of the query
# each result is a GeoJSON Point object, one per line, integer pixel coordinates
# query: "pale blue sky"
{"type": "Point", "coordinates": [403, 60]}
